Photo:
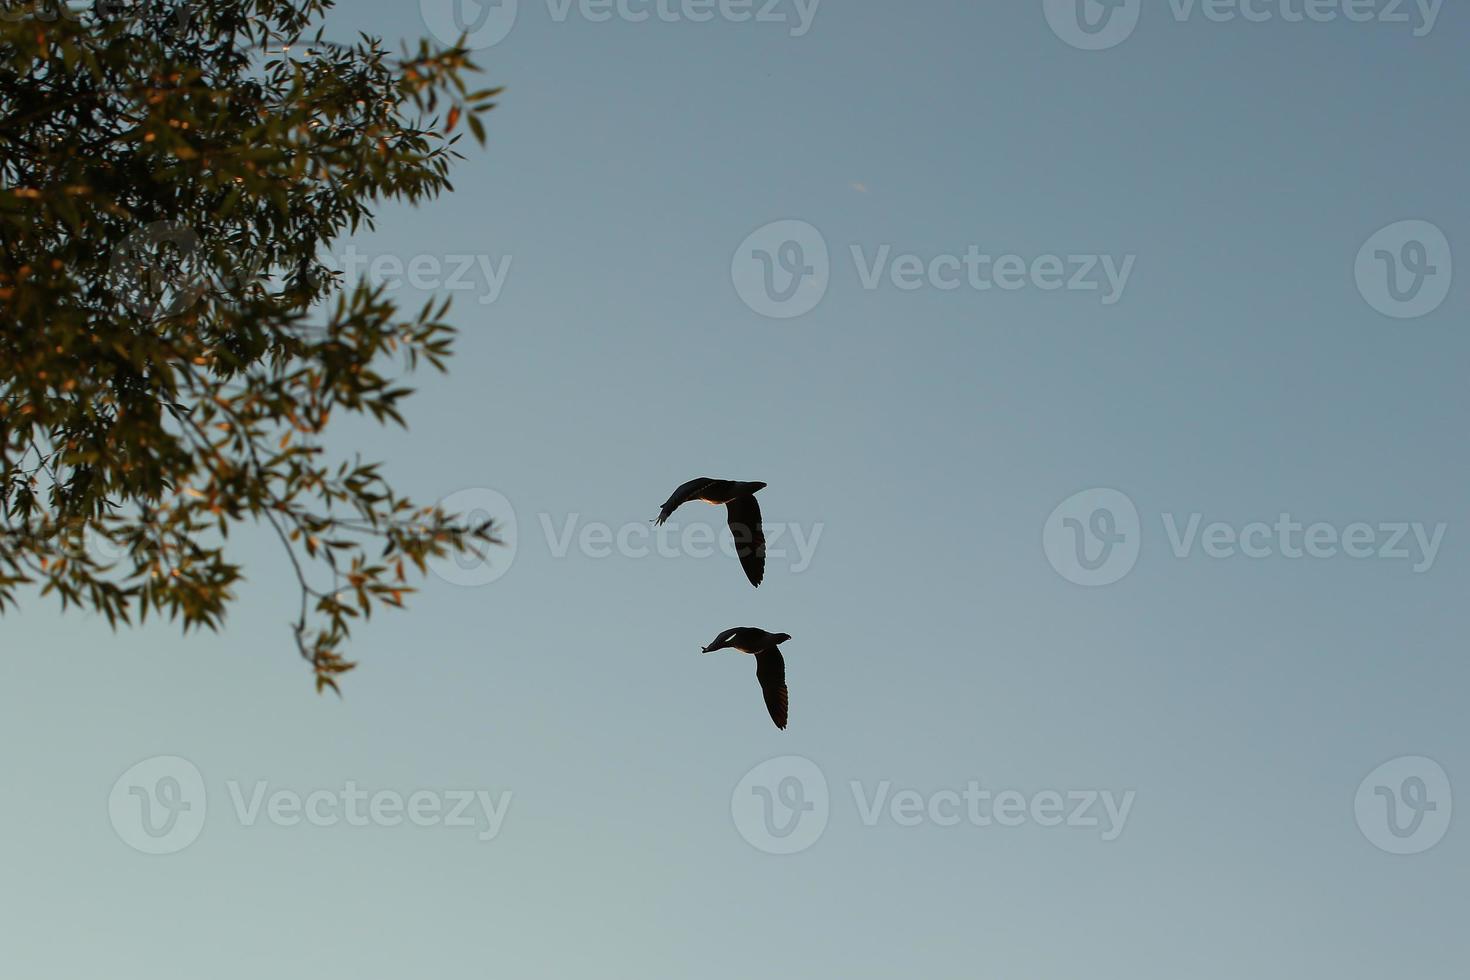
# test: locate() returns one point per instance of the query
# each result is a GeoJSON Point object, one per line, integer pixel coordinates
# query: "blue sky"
{"type": "Point", "coordinates": [929, 440]}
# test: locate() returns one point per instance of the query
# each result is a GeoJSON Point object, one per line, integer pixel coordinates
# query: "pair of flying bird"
{"type": "Point", "coordinates": [750, 546]}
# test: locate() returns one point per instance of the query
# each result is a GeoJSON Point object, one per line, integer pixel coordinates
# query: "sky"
{"type": "Point", "coordinates": [1108, 376]}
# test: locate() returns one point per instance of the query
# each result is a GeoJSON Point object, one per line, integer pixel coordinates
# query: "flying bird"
{"type": "Point", "coordinates": [770, 667]}
{"type": "Point", "coordinates": [744, 514]}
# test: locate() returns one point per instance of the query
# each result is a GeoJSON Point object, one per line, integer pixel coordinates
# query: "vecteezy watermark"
{"type": "Point", "coordinates": [471, 569]}
{"type": "Point", "coordinates": [159, 805]}
{"type": "Point", "coordinates": [1095, 25]}
{"type": "Point", "coordinates": [1406, 269]}
{"type": "Point", "coordinates": [481, 23]}
{"type": "Point", "coordinates": [783, 806]}
{"type": "Point", "coordinates": [159, 270]}
{"type": "Point", "coordinates": [1094, 538]}
{"type": "Point", "coordinates": [163, 269]}
{"type": "Point", "coordinates": [1404, 806]}
{"type": "Point", "coordinates": [174, 18]}
{"type": "Point", "coordinates": [477, 809]}
{"type": "Point", "coordinates": [786, 544]}
{"type": "Point", "coordinates": [484, 23]}
{"type": "Point", "coordinates": [783, 270]}
{"type": "Point", "coordinates": [480, 273]}
{"type": "Point", "coordinates": [789, 545]}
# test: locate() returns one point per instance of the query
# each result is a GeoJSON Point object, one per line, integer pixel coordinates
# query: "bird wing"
{"type": "Point", "coordinates": [770, 670]}
{"type": "Point", "coordinates": [750, 540]}
{"type": "Point", "coordinates": [682, 496]}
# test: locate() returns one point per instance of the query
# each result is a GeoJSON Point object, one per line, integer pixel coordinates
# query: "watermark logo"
{"type": "Point", "coordinates": [482, 23]}
{"type": "Point", "coordinates": [158, 270]}
{"type": "Point", "coordinates": [1404, 806]}
{"type": "Point", "coordinates": [158, 805]}
{"type": "Point", "coordinates": [1286, 537]}
{"type": "Point", "coordinates": [1103, 810]}
{"type": "Point", "coordinates": [787, 544]}
{"type": "Point", "coordinates": [1422, 15]}
{"type": "Point", "coordinates": [485, 23]}
{"type": "Point", "coordinates": [173, 19]}
{"type": "Point", "coordinates": [1093, 538]}
{"type": "Point", "coordinates": [480, 273]}
{"type": "Point", "coordinates": [1093, 25]}
{"type": "Point", "coordinates": [1405, 271]}
{"type": "Point", "coordinates": [782, 805]}
{"type": "Point", "coordinates": [482, 565]}
{"type": "Point", "coordinates": [982, 271]}
{"type": "Point", "coordinates": [353, 806]}
{"type": "Point", "coordinates": [799, 17]}
{"type": "Point", "coordinates": [782, 269]}
{"type": "Point", "coordinates": [101, 547]}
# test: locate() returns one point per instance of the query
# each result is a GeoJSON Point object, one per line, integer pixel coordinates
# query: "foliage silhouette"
{"type": "Point", "coordinates": [173, 346]}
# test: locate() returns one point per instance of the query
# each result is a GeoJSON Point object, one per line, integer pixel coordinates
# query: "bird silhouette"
{"type": "Point", "coordinates": [770, 666]}
{"type": "Point", "coordinates": [743, 512]}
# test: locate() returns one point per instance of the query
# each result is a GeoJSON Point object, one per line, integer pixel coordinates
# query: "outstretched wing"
{"type": "Point", "coordinates": [750, 540]}
{"type": "Point", "coordinates": [683, 495]}
{"type": "Point", "coordinates": [770, 670]}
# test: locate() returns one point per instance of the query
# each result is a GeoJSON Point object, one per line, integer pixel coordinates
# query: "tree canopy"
{"type": "Point", "coordinates": [174, 343]}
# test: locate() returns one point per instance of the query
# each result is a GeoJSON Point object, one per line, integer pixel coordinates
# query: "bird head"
{"type": "Point", "coordinates": [780, 637]}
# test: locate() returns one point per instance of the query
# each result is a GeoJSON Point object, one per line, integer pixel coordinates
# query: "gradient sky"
{"type": "Point", "coordinates": [930, 434]}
